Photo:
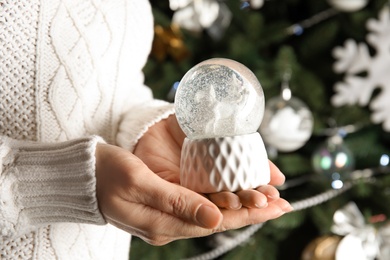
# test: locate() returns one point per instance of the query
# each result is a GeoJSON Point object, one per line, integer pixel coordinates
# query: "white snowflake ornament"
{"type": "Point", "coordinates": [355, 58]}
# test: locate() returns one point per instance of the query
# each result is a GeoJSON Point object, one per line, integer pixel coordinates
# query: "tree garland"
{"type": "Point", "coordinates": [365, 175]}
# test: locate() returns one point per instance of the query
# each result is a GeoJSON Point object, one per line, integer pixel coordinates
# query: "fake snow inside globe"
{"type": "Point", "coordinates": [219, 105]}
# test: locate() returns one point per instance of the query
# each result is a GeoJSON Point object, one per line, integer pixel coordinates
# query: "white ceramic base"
{"type": "Point", "coordinates": [224, 164]}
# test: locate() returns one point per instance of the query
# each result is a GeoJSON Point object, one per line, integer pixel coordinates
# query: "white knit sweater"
{"type": "Point", "coordinates": [70, 76]}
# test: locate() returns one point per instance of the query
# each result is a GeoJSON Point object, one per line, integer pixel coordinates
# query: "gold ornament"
{"type": "Point", "coordinates": [169, 42]}
{"type": "Point", "coordinates": [321, 248]}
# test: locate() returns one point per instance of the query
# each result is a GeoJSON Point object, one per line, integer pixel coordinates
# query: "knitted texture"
{"type": "Point", "coordinates": [32, 194]}
{"type": "Point", "coordinates": [70, 70]}
{"type": "Point", "coordinates": [17, 68]}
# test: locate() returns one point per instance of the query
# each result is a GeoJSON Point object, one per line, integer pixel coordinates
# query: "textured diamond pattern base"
{"type": "Point", "coordinates": [224, 164]}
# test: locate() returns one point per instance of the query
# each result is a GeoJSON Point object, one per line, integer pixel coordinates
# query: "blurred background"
{"type": "Point", "coordinates": [325, 70]}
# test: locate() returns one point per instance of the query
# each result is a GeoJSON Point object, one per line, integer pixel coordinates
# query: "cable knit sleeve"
{"type": "Point", "coordinates": [47, 183]}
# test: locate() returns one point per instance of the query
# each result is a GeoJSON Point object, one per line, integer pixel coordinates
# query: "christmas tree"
{"type": "Point", "coordinates": [334, 56]}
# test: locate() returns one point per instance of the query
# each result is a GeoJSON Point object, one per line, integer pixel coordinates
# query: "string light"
{"type": "Point", "coordinates": [384, 160]}
{"type": "Point", "coordinates": [298, 28]}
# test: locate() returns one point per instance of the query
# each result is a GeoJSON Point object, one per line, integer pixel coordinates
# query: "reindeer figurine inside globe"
{"type": "Point", "coordinates": [219, 105]}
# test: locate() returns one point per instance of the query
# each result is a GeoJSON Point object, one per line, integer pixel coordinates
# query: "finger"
{"type": "Point", "coordinates": [153, 226]}
{"type": "Point", "coordinates": [178, 201]}
{"type": "Point", "coordinates": [252, 199]}
{"type": "Point", "coordinates": [277, 177]}
{"type": "Point", "coordinates": [225, 199]}
{"type": "Point", "coordinates": [176, 130]}
{"type": "Point", "coordinates": [233, 219]}
{"type": "Point", "coordinates": [269, 191]}
{"type": "Point", "coordinates": [159, 228]}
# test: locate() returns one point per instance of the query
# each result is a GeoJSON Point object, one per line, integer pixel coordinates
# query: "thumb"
{"type": "Point", "coordinates": [182, 203]}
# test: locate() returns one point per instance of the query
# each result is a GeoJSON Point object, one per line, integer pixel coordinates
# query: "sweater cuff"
{"type": "Point", "coordinates": [48, 183]}
{"type": "Point", "coordinates": [135, 123]}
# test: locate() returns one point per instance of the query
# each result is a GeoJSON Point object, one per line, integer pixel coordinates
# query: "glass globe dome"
{"type": "Point", "coordinates": [219, 98]}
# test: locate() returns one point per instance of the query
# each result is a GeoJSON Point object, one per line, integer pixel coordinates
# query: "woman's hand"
{"type": "Point", "coordinates": [135, 199]}
{"type": "Point", "coordinates": [139, 192]}
{"type": "Point", "coordinates": [160, 150]}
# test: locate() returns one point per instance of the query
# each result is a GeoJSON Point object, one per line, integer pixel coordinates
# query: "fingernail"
{"type": "Point", "coordinates": [236, 206]}
{"type": "Point", "coordinates": [207, 216]}
{"type": "Point", "coordinates": [261, 206]}
{"type": "Point", "coordinates": [273, 197]}
{"type": "Point", "coordinates": [288, 208]}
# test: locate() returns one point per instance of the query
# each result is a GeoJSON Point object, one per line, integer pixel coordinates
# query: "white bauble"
{"type": "Point", "coordinates": [256, 4]}
{"type": "Point", "coordinates": [348, 5]}
{"type": "Point", "coordinates": [287, 124]}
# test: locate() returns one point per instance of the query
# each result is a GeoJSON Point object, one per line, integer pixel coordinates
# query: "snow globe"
{"type": "Point", "coordinates": [219, 105]}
